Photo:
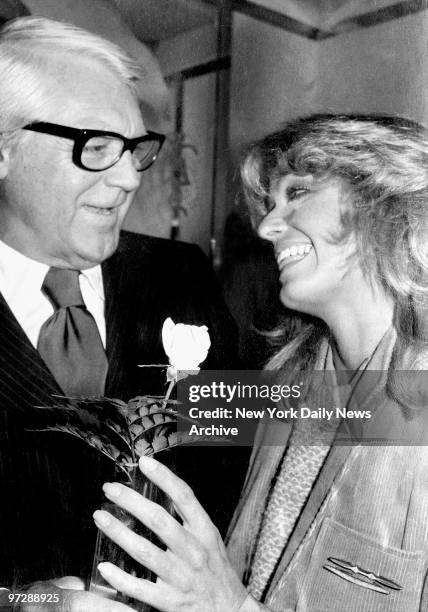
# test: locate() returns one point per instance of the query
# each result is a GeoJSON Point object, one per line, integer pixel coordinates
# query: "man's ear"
{"type": "Point", "coordinates": [5, 149]}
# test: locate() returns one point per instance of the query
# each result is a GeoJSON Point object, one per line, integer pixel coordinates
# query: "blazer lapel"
{"type": "Point", "coordinates": [332, 466]}
{"type": "Point", "coordinates": [270, 442]}
{"type": "Point", "coordinates": [338, 455]}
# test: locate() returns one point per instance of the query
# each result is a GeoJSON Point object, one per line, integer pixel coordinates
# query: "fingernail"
{"type": "Point", "coordinates": [147, 464]}
{"type": "Point", "coordinates": [104, 568]}
{"type": "Point", "coordinates": [101, 518]}
{"type": "Point", "coordinates": [112, 489]}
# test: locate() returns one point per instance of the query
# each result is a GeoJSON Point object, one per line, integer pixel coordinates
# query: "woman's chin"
{"type": "Point", "coordinates": [299, 300]}
{"type": "Point", "coordinates": [292, 301]}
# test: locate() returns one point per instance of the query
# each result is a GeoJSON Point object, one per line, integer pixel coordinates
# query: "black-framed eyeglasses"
{"type": "Point", "coordinates": [97, 150]}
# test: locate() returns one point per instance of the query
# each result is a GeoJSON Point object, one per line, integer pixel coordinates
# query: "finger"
{"type": "Point", "coordinates": [179, 491]}
{"type": "Point", "coordinates": [70, 582]}
{"type": "Point", "coordinates": [84, 601]}
{"type": "Point", "coordinates": [159, 595]}
{"type": "Point", "coordinates": [68, 601]}
{"type": "Point", "coordinates": [162, 563]}
{"type": "Point", "coordinates": [156, 518]}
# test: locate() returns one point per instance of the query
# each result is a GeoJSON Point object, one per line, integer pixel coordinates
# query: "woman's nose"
{"type": "Point", "coordinates": [272, 226]}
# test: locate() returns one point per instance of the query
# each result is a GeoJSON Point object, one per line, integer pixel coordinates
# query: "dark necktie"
{"type": "Point", "coordinates": [69, 341]}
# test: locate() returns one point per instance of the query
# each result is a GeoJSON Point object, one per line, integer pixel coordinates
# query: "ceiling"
{"type": "Point", "coordinates": [154, 20]}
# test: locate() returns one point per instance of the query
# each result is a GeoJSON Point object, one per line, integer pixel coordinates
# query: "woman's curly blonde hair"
{"type": "Point", "coordinates": [384, 162]}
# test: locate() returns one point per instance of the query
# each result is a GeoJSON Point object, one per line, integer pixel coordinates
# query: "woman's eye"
{"type": "Point", "coordinates": [296, 192]}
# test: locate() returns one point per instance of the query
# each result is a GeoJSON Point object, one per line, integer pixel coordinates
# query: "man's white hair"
{"type": "Point", "coordinates": [28, 48]}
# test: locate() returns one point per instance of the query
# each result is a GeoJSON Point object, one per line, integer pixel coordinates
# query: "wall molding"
{"type": "Point", "coordinates": [290, 24]}
{"type": "Point", "coordinates": [222, 63]}
{"type": "Point", "coordinates": [277, 19]}
{"type": "Point", "coordinates": [382, 15]}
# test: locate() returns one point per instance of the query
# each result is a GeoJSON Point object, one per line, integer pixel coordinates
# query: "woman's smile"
{"type": "Point", "coordinates": [305, 226]}
{"type": "Point", "coordinates": [291, 254]}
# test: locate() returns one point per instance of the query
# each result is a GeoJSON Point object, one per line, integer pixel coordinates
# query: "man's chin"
{"type": "Point", "coordinates": [94, 254]}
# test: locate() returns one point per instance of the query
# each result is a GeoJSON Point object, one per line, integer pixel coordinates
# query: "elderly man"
{"type": "Point", "coordinates": [81, 305]}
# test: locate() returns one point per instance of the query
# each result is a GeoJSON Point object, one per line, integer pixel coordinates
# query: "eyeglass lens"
{"type": "Point", "coordinates": [101, 152]}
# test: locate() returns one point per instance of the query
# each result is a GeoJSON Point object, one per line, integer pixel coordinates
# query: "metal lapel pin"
{"type": "Point", "coordinates": [357, 575]}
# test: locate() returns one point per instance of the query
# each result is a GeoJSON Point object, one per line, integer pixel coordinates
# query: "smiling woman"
{"type": "Point", "coordinates": [332, 515]}
{"type": "Point", "coordinates": [342, 199]}
{"type": "Point", "coordinates": [353, 188]}
{"type": "Point", "coordinates": [303, 225]}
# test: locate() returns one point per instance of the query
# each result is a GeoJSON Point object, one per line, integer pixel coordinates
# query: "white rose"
{"type": "Point", "coordinates": [186, 345]}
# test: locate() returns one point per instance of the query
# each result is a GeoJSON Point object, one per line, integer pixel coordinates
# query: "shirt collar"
{"type": "Point", "coordinates": [95, 280]}
{"type": "Point", "coordinates": [18, 269]}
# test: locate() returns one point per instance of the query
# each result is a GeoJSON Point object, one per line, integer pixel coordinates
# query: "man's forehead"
{"type": "Point", "coordinates": [87, 88]}
{"type": "Point", "coordinates": [67, 70]}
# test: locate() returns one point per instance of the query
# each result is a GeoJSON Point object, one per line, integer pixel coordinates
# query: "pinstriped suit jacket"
{"type": "Point", "coordinates": [369, 506]}
{"type": "Point", "coordinates": [49, 482]}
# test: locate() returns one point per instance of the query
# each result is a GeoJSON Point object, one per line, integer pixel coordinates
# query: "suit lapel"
{"type": "Point", "coordinates": [120, 296]}
{"type": "Point", "coordinates": [114, 338]}
{"type": "Point", "coordinates": [128, 324]}
{"type": "Point", "coordinates": [26, 381]}
{"type": "Point", "coordinates": [135, 305]}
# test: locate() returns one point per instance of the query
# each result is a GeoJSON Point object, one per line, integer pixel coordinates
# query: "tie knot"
{"type": "Point", "coordinates": [62, 288]}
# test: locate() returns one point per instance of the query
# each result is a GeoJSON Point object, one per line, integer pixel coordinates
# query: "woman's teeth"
{"type": "Point", "coordinates": [300, 251]}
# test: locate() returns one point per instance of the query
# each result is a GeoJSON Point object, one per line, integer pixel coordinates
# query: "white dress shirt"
{"type": "Point", "coordinates": [21, 280]}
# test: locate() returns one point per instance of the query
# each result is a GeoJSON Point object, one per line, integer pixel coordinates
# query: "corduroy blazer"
{"type": "Point", "coordinates": [50, 483]}
{"type": "Point", "coordinates": [368, 507]}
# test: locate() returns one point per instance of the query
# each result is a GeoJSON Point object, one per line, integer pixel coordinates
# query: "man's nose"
{"type": "Point", "coordinates": [273, 225]}
{"type": "Point", "coordinates": [123, 174]}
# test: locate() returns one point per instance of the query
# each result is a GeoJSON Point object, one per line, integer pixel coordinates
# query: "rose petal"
{"type": "Point", "coordinates": [186, 345]}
